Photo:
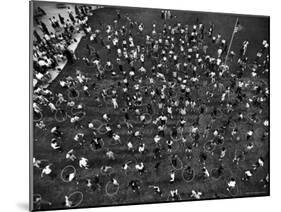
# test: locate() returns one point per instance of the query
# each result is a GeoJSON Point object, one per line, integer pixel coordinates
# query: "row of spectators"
{"type": "Point", "coordinates": [51, 41]}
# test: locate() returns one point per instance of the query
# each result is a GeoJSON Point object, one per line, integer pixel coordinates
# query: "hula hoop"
{"type": "Point", "coordinates": [175, 168]}
{"type": "Point", "coordinates": [62, 171]}
{"type": "Point", "coordinates": [207, 149]}
{"type": "Point", "coordinates": [188, 180]}
{"type": "Point", "coordinates": [212, 175]}
{"type": "Point", "coordinates": [73, 98]}
{"type": "Point", "coordinates": [203, 106]}
{"type": "Point", "coordinates": [175, 139]}
{"type": "Point", "coordinates": [108, 68]}
{"type": "Point", "coordinates": [82, 116]}
{"type": "Point", "coordinates": [78, 110]}
{"type": "Point", "coordinates": [113, 142]}
{"type": "Point", "coordinates": [80, 201]}
{"type": "Point", "coordinates": [106, 189]}
{"type": "Point", "coordinates": [220, 114]}
{"type": "Point", "coordinates": [98, 122]}
{"type": "Point", "coordinates": [41, 117]}
{"type": "Point", "coordinates": [242, 158]}
{"type": "Point", "coordinates": [109, 94]}
{"type": "Point", "coordinates": [234, 192]}
{"type": "Point", "coordinates": [107, 173]}
{"type": "Point", "coordinates": [63, 116]}
{"type": "Point", "coordinates": [232, 125]}
{"type": "Point", "coordinates": [100, 131]}
{"type": "Point", "coordinates": [258, 120]}
{"type": "Point", "coordinates": [58, 103]}
{"type": "Point", "coordinates": [175, 146]}
{"type": "Point", "coordinates": [148, 121]}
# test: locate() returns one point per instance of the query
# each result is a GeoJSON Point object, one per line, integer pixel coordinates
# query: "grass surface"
{"type": "Point", "coordinates": [255, 29]}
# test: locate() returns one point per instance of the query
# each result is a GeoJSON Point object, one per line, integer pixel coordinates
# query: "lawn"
{"type": "Point", "coordinates": [255, 29]}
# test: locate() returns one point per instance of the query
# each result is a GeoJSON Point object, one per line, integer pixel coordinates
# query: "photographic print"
{"type": "Point", "coordinates": [137, 105]}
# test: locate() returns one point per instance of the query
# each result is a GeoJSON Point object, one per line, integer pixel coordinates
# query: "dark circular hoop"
{"type": "Point", "coordinates": [69, 94]}
{"type": "Point", "coordinates": [213, 146]}
{"type": "Point", "coordinates": [100, 131]}
{"type": "Point", "coordinates": [58, 103]}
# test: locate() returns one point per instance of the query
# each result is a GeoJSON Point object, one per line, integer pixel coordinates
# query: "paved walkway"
{"type": "Point", "coordinates": [53, 9]}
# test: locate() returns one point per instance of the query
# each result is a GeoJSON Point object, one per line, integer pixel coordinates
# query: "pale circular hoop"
{"type": "Point", "coordinates": [188, 181]}
{"type": "Point", "coordinates": [216, 179]}
{"type": "Point", "coordinates": [111, 170]}
{"type": "Point", "coordinates": [99, 129]}
{"type": "Point", "coordinates": [175, 168]}
{"type": "Point", "coordinates": [234, 192]}
{"type": "Point", "coordinates": [97, 121]}
{"type": "Point", "coordinates": [80, 201]}
{"type": "Point", "coordinates": [62, 171]}
{"type": "Point", "coordinates": [82, 116]}
{"type": "Point", "coordinates": [149, 119]}
{"type": "Point", "coordinates": [177, 138]}
{"type": "Point", "coordinates": [207, 150]}
{"type": "Point", "coordinates": [73, 98]}
{"type": "Point", "coordinates": [108, 193]}
{"type": "Point", "coordinates": [41, 117]}
{"type": "Point", "coordinates": [59, 120]}
{"type": "Point", "coordinates": [78, 110]}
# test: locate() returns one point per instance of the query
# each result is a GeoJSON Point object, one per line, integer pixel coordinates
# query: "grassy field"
{"type": "Point", "coordinates": [53, 189]}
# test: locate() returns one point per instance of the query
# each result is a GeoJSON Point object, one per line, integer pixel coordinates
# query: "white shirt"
{"type": "Point", "coordinates": [83, 162]}
{"type": "Point", "coordinates": [46, 170]}
{"type": "Point", "coordinates": [231, 184]}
